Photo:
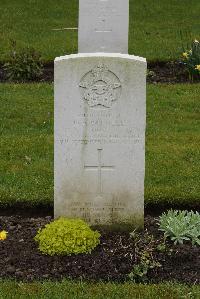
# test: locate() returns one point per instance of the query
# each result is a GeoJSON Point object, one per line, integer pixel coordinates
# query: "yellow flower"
{"type": "Point", "coordinates": [185, 55]}
{"type": "Point", "coordinates": [197, 67]}
{"type": "Point", "coordinates": [3, 235]}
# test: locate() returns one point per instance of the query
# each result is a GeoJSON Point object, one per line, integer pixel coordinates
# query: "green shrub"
{"type": "Point", "coordinates": [191, 59]}
{"type": "Point", "coordinates": [23, 65]}
{"type": "Point", "coordinates": [67, 236]}
{"type": "Point", "coordinates": [181, 226]}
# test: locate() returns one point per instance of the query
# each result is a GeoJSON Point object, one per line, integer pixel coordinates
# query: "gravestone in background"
{"type": "Point", "coordinates": [100, 118]}
{"type": "Point", "coordinates": [103, 26]}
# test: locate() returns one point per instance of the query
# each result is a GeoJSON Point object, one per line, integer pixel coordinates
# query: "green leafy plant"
{"type": "Point", "coordinates": [67, 236]}
{"type": "Point", "coordinates": [145, 256]}
{"type": "Point", "coordinates": [191, 59]}
{"type": "Point", "coordinates": [140, 271]}
{"type": "Point", "coordinates": [181, 226]}
{"type": "Point", "coordinates": [23, 64]}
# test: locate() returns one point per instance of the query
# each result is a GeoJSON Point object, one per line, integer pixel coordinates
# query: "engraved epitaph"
{"type": "Point", "coordinates": [103, 26]}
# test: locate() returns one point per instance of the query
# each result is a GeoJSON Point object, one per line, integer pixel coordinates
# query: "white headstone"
{"type": "Point", "coordinates": [100, 117]}
{"type": "Point", "coordinates": [103, 26]}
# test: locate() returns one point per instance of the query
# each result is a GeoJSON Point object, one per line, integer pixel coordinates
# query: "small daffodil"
{"type": "Point", "coordinates": [3, 235]}
{"type": "Point", "coordinates": [185, 55]}
{"type": "Point", "coordinates": [197, 67]}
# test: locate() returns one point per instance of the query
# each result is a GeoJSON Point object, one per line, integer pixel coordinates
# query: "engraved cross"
{"type": "Point", "coordinates": [102, 19]}
{"type": "Point", "coordinates": [102, 28]}
{"type": "Point", "coordinates": [99, 168]}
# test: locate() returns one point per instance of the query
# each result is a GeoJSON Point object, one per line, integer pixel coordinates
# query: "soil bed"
{"type": "Point", "coordinates": [112, 260]}
{"type": "Point", "coordinates": [158, 72]}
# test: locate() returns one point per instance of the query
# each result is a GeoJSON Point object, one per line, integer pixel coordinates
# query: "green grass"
{"type": "Point", "coordinates": [82, 290]}
{"type": "Point", "coordinates": [26, 144]}
{"type": "Point", "coordinates": [155, 26]}
{"type": "Point", "coordinates": [172, 144]}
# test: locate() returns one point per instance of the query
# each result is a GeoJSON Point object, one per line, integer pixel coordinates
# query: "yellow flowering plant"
{"type": "Point", "coordinates": [3, 235]}
{"type": "Point", "coordinates": [197, 67]}
{"type": "Point", "coordinates": [191, 59]}
{"type": "Point", "coordinates": [185, 55]}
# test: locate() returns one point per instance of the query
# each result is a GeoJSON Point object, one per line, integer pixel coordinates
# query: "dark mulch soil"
{"type": "Point", "coordinates": [158, 72]}
{"type": "Point", "coordinates": [112, 260]}
{"type": "Point", "coordinates": [23, 209]}
{"type": "Point", "coordinates": [167, 72]}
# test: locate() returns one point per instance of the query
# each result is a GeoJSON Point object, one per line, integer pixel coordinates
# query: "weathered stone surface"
{"type": "Point", "coordinates": [100, 118]}
{"type": "Point", "coordinates": [103, 26]}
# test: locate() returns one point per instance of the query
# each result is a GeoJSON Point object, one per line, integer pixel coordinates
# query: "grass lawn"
{"type": "Point", "coordinates": [26, 144]}
{"type": "Point", "coordinates": [81, 290]}
{"type": "Point", "coordinates": [172, 144]}
{"type": "Point", "coordinates": [155, 26]}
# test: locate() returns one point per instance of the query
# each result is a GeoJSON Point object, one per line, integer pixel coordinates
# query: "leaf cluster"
{"type": "Point", "coordinates": [67, 236]}
{"type": "Point", "coordinates": [181, 226]}
{"type": "Point", "coordinates": [23, 64]}
{"type": "Point", "coordinates": [145, 256]}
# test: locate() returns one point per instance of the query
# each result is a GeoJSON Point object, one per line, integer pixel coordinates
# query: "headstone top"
{"type": "Point", "coordinates": [99, 54]}
{"type": "Point", "coordinates": [103, 26]}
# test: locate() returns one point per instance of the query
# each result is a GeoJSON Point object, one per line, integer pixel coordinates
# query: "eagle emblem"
{"type": "Point", "coordinates": [100, 87]}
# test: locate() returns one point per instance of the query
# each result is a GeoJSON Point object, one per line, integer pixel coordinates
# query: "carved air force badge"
{"type": "Point", "coordinates": [100, 87]}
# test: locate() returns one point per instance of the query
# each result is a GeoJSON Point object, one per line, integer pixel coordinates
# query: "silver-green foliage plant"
{"type": "Point", "coordinates": [66, 237]}
{"type": "Point", "coordinates": [181, 226]}
{"type": "Point", "coordinates": [191, 59]}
